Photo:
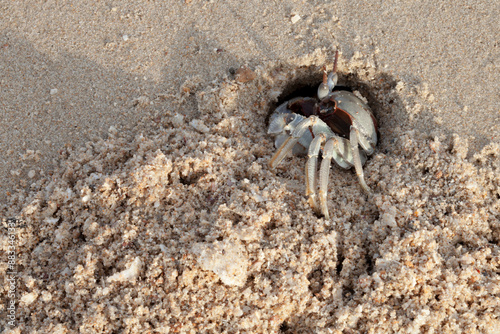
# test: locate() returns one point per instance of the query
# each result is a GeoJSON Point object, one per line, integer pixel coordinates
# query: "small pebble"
{"type": "Point", "coordinates": [295, 18]}
{"type": "Point", "coordinates": [53, 91]}
{"type": "Point", "coordinates": [178, 120]}
{"type": "Point", "coordinates": [112, 130]}
{"type": "Point", "coordinates": [244, 74]}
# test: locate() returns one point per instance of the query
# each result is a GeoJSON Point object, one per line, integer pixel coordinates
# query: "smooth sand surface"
{"type": "Point", "coordinates": [134, 154]}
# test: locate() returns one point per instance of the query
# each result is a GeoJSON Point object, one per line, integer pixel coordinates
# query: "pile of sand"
{"type": "Point", "coordinates": [186, 229]}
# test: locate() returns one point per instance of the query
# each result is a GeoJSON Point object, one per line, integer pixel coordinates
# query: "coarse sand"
{"type": "Point", "coordinates": [136, 179]}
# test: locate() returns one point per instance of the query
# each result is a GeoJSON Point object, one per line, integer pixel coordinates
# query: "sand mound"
{"type": "Point", "coordinates": [186, 229]}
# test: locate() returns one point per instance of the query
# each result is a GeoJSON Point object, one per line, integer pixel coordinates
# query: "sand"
{"type": "Point", "coordinates": [136, 186]}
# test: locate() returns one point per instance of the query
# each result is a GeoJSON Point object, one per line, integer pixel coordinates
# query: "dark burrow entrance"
{"type": "Point", "coordinates": [307, 80]}
{"type": "Point", "coordinates": [379, 90]}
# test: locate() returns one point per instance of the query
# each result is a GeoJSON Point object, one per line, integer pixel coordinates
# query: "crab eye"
{"type": "Point", "coordinates": [323, 91]}
{"type": "Point", "coordinates": [332, 80]}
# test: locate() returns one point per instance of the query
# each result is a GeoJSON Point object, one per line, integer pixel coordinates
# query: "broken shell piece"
{"type": "Point", "coordinates": [227, 259]}
{"type": "Point", "coordinates": [129, 274]}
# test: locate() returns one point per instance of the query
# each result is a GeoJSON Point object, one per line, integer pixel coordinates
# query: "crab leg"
{"type": "Point", "coordinates": [290, 142]}
{"type": "Point", "coordinates": [362, 133]}
{"type": "Point", "coordinates": [353, 138]}
{"type": "Point", "coordinates": [324, 173]}
{"type": "Point", "coordinates": [311, 164]}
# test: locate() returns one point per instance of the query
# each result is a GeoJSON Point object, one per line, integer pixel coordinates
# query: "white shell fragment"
{"type": "Point", "coordinates": [226, 259]}
{"type": "Point", "coordinates": [198, 125]}
{"type": "Point", "coordinates": [29, 298]}
{"type": "Point", "coordinates": [295, 18]}
{"type": "Point", "coordinates": [131, 273]}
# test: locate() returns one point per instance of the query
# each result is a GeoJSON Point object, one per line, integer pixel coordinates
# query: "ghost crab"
{"type": "Point", "coordinates": [336, 123]}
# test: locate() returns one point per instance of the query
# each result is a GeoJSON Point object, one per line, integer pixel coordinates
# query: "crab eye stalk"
{"type": "Point", "coordinates": [329, 81]}
{"type": "Point", "coordinates": [333, 77]}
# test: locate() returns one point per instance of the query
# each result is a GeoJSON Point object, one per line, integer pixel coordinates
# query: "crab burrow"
{"type": "Point", "coordinates": [336, 123]}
